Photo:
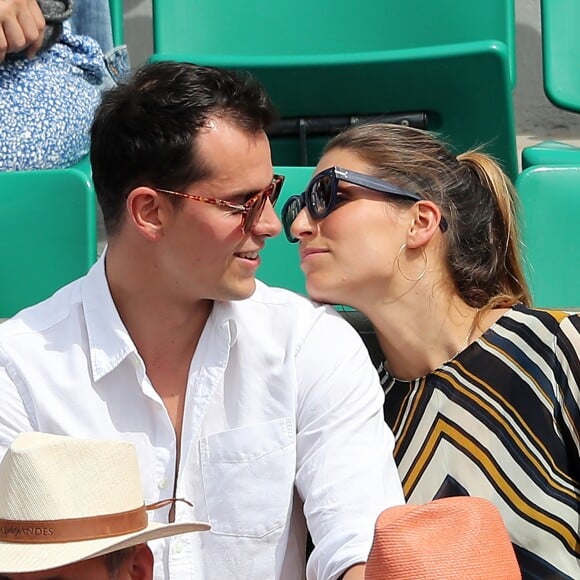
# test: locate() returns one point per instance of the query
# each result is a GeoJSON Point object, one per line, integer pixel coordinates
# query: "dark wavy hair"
{"type": "Point", "coordinates": [144, 131]}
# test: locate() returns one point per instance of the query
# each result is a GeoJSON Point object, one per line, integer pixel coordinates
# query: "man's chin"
{"type": "Point", "coordinates": [240, 291]}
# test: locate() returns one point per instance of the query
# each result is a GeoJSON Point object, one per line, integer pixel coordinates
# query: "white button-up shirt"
{"type": "Point", "coordinates": [283, 419]}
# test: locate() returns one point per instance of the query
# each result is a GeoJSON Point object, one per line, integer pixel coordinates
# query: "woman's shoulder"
{"type": "Point", "coordinates": [546, 319]}
{"type": "Point", "coordinates": [539, 329]}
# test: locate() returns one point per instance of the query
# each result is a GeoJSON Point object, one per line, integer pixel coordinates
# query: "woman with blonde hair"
{"type": "Point", "coordinates": [481, 390]}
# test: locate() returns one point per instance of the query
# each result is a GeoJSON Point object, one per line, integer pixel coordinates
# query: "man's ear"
{"type": "Point", "coordinates": [148, 212]}
{"type": "Point", "coordinates": [141, 563]}
{"type": "Point", "coordinates": [426, 217]}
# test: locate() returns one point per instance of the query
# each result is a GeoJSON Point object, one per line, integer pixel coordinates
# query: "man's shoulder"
{"type": "Point", "coordinates": [40, 318]}
{"type": "Point", "coordinates": [275, 295]}
{"type": "Point", "coordinates": [286, 303]}
{"type": "Point", "coordinates": [282, 312]}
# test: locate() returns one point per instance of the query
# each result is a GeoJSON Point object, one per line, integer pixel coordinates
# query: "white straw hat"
{"type": "Point", "coordinates": [63, 500]}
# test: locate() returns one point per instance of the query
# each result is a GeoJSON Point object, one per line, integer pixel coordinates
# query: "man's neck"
{"type": "Point", "coordinates": [165, 330]}
{"type": "Point", "coordinates": [162, 326]}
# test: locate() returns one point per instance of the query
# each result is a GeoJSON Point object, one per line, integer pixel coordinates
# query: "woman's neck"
{"type": "Point", "coordinates": [418, 336]}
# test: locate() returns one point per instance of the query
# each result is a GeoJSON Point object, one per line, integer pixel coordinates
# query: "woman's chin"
{"type": "Point", "coordinates": [320, 293]}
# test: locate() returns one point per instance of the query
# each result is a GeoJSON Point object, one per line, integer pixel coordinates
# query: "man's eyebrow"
{"type": "Point", "coordinates": [241, 196]}
{"type": "Point", "coordinates": [246, 195]}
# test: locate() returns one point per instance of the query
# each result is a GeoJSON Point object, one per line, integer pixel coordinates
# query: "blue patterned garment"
{"type": "Point", "coordinates": [47, 104]}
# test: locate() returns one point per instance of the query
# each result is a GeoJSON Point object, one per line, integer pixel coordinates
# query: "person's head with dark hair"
{"type": "Point", "coordinates": [145, 130]}
{"type": "Point", "coordinates": [183, 173]}
{"type": "Point", "coordinates": [417, 222]}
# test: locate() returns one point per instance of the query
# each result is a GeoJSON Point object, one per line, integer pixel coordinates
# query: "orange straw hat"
{"type": "Point", "coordinates": [454, 538]}
{"type": "Point", "coordinates": [64, 499]}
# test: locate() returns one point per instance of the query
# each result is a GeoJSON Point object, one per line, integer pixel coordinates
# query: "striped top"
{"type": "Point", "coordinates": [501, 421]}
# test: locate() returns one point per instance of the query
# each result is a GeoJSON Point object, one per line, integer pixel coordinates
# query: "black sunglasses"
{"type": "Point", "coordinates": [321, 195]}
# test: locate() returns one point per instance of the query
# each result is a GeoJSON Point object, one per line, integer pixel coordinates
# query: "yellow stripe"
{"type": "Point", "coordinates": [574, 494]}
{"type": "Point", "coordinates": [558, 315]}
{"type": "Point", "coordinates": [441, 427]}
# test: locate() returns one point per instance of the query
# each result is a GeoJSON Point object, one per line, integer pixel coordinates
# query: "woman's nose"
{"type": "Point", "coordinates": [303, 225]}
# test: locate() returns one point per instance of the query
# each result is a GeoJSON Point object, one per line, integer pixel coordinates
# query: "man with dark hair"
{"type": "Point", "coordinates": [258, 405]}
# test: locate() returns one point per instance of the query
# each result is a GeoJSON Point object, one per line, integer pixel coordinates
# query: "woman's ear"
{"type": "Point", "coordinates": [425, 219]}
{"type": "Point", "coordinates": [147, 212]}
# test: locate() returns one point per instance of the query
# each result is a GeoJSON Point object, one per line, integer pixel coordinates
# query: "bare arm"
{"type": "Point", "coordinates": [356, 572]}
{"type": "Point", "coordinates": [21, 27]}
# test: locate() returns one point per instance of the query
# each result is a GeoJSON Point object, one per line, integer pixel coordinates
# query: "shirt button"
{"type": "Point", "coordinates": [178, 548]}
{"type": "Point", "coordinates": [162, 483]}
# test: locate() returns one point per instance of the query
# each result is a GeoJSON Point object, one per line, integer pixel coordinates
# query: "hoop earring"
{"type": "Point", "coordinates": [398, 260]}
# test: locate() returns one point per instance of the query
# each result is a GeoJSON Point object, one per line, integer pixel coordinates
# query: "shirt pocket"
{"type": "Point", "coordinates": [248, 477]}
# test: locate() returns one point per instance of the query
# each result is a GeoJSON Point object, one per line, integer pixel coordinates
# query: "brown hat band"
{"type": "Point", "coordinates": [79, 529]}
{"type": "Point", "coordinates": [73, 529]}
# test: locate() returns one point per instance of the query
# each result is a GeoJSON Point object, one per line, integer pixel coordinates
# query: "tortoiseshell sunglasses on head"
{"type": "Point", "coordinates": [251, 210]}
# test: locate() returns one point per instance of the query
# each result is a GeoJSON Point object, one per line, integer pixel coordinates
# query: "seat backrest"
{"type": "Point", "coordinates": [451, 60]}
{"type": "Point", "coordinates": [561, 52]}
{"type": "Point", "coordinates": [48, 234]}
{"type": "Point", "coordinates": [550, 206]}
{"type": "Point", "coordinates": [261, 28]}
{"type": "Point", "coordinates": [550, 153]}
{"type": "Point", "coordinates": [560, 58]}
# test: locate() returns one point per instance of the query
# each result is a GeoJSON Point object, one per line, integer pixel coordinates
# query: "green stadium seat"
{"type": "Point", "coordinates": [48, 225]}
{"type": "Point", "coordinates": [550, 206]}
{"type": "Point", "coordinates": [448, 66]}
{"type": "Point", "coordinates": [560, 58]}
{"type": "Point", "coordinates": [561, 52]}
{"type": "Point", "coordinates": [550, 153]}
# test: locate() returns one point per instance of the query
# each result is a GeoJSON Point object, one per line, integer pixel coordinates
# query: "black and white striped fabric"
{"type": "Point", "coordinates": [501, 421]}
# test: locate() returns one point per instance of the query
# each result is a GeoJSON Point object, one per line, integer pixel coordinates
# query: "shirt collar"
{"type": "Point", "coordinates": [224, 317]}
{"type": "Point", "coordinates": [226, 314]}
{"type": "Point", "coordinates": [109, 341]}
